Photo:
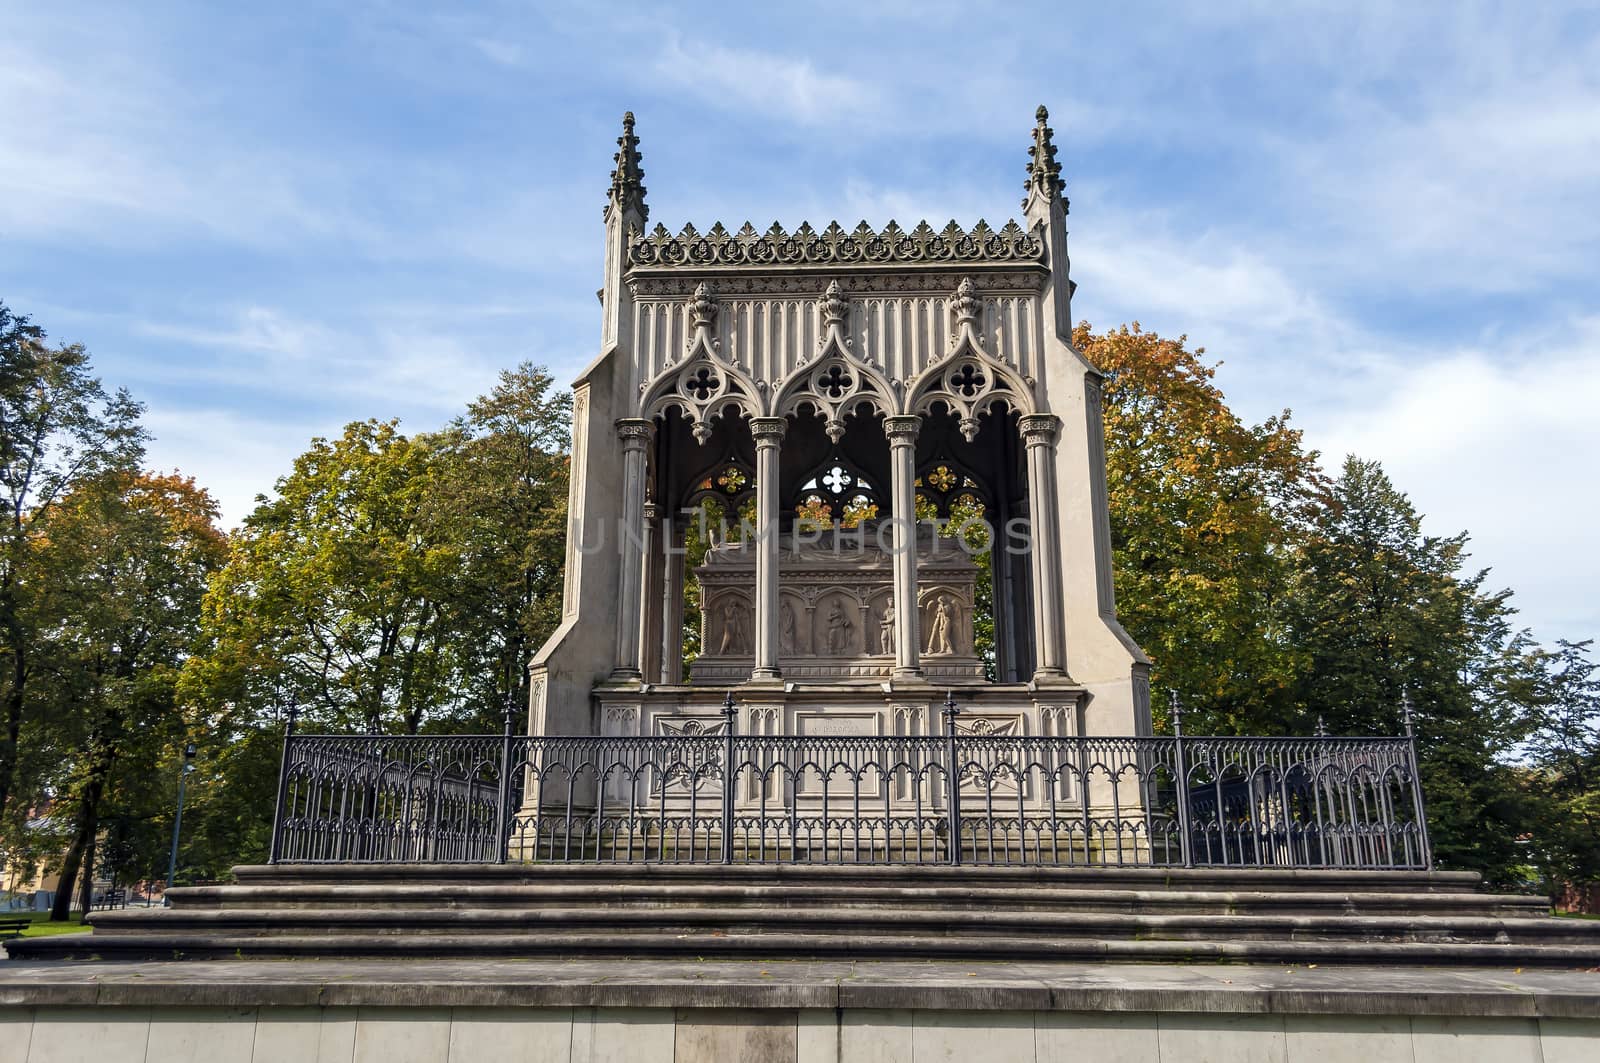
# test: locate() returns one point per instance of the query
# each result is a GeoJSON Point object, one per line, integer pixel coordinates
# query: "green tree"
{"type": "Point", "coordinates": [1206, 511]}
{"type": "Point", "coordinates": [58, 428]}
{"type": "Point", "coordinates": [1383, 611]}
{"type": "Point", "coordinates": [127, 558]}
{"type": "Point", "coordinates": [394, 582]}
{"type": "Point", "coordinates": [503, 491]}
{"type": "Point", "coordinates": [335, 592]}
{"type": "Point", "coordinates": [1564, 755]}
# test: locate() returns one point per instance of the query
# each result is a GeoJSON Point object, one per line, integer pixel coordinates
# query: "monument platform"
{"type": "Point", "coordinates": [845, 911]}
{"type": "Point", "coordinates": [690, 1011]}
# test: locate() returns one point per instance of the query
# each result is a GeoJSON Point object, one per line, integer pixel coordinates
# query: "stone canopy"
{"type": "Point", "coordinates": [864, 380]}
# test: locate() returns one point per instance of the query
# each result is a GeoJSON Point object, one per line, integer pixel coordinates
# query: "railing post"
{"type": "Point", "coordinates": [1416, 780]}
{"type": "Point", "coordinates": [1185, 842]}
{"type": "Point", "coordinates": [952, 776]}
{"type": "Point", "coordinates": [276, 851]}
{"type": "Point", "coordinates": [729, 715]}
{"type": "Point", "coordinates": [502, 829]}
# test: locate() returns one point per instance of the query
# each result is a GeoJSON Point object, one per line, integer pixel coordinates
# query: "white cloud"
{"type": "Point", "coordinates": [1501, 444]}
{"type": "Point", "coordinates": [778, 86]}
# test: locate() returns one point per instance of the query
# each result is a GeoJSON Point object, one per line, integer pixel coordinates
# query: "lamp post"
{"type": "Point", "coordinates": [177, 824]}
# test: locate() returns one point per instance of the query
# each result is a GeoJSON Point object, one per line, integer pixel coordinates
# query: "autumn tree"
{"type": "Point", "coordinates": [127, 558]}
{"type": "Point", "coordinates": [1206, 511]}
{"type": "Point", "coordinates": [58, 428]}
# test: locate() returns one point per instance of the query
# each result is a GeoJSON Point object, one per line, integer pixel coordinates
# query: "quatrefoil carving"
{"type": "Point", "coordinates": [835, 383]}
{"type": "Point", "coordinates": [969, 381]}
{"type": "Point", "coordinates": [702, 384]}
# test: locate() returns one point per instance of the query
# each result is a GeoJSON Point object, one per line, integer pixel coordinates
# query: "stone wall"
{"type": "Point", "coordinates": [55, 1034]}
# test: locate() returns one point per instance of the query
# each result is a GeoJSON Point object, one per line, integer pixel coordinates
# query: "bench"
{"type": "Point", "coordinates": [13, 928]}
{"type": "Point", "coordinates": [112, 899]}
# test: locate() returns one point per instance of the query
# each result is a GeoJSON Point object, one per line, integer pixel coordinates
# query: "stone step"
{"type": "Point", "coordinates": [802, 945]}
{"type": "Point", "coordinates": [656, 895]}
{"type": "Point", "coordinates": [920, 875]}
{"type": "Point", "coordinates": [916, 922]}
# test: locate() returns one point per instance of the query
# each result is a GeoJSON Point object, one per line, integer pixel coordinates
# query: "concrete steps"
{"type": "Point", "coordinates": [774, 912]}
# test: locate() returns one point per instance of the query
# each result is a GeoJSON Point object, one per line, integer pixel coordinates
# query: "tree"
{"type": "Point", "coordinates": [1383, 612]}
{"type": "Point", "coordinates": [394, 583]}
{"type": "Point", "coordinates": [335, 592]}
{"type": "Point", "coordinates": [1206, 511]}
{"type": "Point", "coordinates": [127, 557]}
{"type": "Point", "coordinates": [58, 428]}
{"type": "Point", "coordinates": [503, 487]}
{"type": "Point", "coordinates": [1565, 758]}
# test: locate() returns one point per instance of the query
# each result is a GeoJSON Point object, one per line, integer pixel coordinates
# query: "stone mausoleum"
{"type": "Point", "coordinates": [873, 460]}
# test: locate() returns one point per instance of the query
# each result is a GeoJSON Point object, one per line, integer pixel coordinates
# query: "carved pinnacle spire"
{"type": "Point", "coordinates": [627, 180]}
{"type": "Point", "coordinates": [1044, 172]}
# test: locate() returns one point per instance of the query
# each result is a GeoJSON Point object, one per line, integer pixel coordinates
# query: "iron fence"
{"type": "Point", "coordinates": [952, 798]}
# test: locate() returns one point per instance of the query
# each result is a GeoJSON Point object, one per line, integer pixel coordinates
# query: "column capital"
{"type": "Point", "coordinates": [1038, 428]}
{"type": "Point", "coordinates": [635, 432]}
{"type": "Point", "coordinates": [902, 429]}
{"type": "Point", "coordinates": [769, 429]}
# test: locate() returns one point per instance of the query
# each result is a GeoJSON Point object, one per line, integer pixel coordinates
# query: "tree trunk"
{"type": "Point", "coordinates": [86, 889]}
{"type": "Point", "coordinates": [12, 732]}
{"type": "Point", "coordinates": [83, 838]}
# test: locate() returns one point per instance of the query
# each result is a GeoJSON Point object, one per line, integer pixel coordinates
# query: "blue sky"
{"type": "Point", "coordinates": [268, 220]}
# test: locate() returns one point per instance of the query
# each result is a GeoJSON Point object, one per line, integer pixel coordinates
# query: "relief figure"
{"type": "Point", "coordinates": [939, 630]}
{"type": "Point", "coordinates": [839, 628]}
{"type": "Point", "coordinates": [734, 639]}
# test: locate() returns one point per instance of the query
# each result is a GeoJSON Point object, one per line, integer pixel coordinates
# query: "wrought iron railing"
{"type": "Point", "coordinates": [950, 799]}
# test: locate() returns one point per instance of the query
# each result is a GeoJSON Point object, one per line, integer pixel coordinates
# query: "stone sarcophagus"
{"type": "Point", "coordinates": [836, 612]}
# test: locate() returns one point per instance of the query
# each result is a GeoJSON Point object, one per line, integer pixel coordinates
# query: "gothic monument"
{"type": "Point", "coordinates": [916, 448]}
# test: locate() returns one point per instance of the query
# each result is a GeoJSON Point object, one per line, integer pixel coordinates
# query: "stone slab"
{"type": "Point", "coordinates": [1067, 987]}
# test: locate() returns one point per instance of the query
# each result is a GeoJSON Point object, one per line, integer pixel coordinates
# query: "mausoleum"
{"type": "Point", "coordinates": [870, 459]}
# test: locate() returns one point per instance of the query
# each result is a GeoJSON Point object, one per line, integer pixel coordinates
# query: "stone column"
{"type": "Point", "coordinates": [671, 602]}
{"type": "Point", "coordinates": [902, 433]}
{"type": "Point", "coordinates": [1039, 431]}
{"type": "Point", "coordinates": [650, 591]}
{"type": "Point", "coordinates": [635, 434]}
{"type": "Point", "coordinates": [768, 432]}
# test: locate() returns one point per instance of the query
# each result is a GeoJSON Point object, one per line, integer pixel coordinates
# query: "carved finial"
{"type": "Point", "coordinates": [835, 309]}
{"type": "Point", "coordinates": [702, 308]}
{"type": "Point", "coordinates": [1044, 172]}
{"type": "Point", "coordinates": [968, 305]}
{"type": "Point", "coordinates": [627, 180]}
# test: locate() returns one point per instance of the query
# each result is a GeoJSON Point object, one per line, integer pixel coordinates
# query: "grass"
{"type": "Point", "coordinates": [1578, 915]}
{"type": "Point", "coordinates": [40, 925]}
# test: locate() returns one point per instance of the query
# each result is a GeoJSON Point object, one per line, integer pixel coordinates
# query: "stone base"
{"type": "Point", "coordinates": [710, 1012]}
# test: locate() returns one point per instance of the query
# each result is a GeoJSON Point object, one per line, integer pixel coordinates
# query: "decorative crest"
{"type": "Point", "coordinates": [834, 246]}
{"type": "Point", "coordinates": [627, 180]}
{"type": "Point", "coordinates": [1044, 172]}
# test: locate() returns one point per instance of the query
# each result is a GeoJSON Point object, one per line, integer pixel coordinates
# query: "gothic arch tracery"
{"type": "Point", "coordinates": [967, 380]}
{"type": "Point", "coordinates": [835, 383]}
{"type": "Point", "coordinates": [704, 385]}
